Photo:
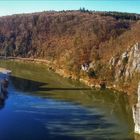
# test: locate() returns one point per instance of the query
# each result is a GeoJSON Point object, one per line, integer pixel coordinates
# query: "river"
{"type": "Point", "coordinates": [41, 105]}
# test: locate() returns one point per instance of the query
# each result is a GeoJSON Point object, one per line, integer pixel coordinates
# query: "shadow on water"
{"type": "Point", "coordinates": [109, 102]}
{"type": "Point", "coordinates": [22, 84]}
{"type": "Point", "coordinates": [30, 85]}
{"type": "Point", "coordinates": [68, 124]}
{"type": "Point", "coordinates": [85, 96]}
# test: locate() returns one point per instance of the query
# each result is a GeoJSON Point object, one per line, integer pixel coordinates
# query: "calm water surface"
{"type": "Point", "coordinates": [44, 106]}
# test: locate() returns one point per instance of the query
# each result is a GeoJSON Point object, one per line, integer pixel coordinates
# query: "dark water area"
{"type": "Point", "coordinates": [42, 105]}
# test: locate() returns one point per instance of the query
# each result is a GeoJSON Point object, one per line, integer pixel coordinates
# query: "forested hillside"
{"type": "Point", "coordinates": [70, 39]}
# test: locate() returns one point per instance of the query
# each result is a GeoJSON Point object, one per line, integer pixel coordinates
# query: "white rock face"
{"type": "Point", "coordinates": [136, 113]}
{"type": "Point", "coordinates": [125, 68]}
{"type": "Point", "coordinates": [127, 64]}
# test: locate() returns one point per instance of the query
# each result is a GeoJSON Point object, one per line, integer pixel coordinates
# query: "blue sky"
{"type": "Point", "coordinates": [8, 7]}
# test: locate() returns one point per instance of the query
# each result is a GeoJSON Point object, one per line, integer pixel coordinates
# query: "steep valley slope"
{"type": "Point", "coordinates": [86, 45]}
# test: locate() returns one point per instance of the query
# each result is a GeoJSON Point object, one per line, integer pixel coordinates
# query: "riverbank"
{"type": "Point", "coordinates": [92, 83]}
{"type": "Point", "coordinates": [38, 97]}
{"type": "Point", "coordinates": [4, 71]}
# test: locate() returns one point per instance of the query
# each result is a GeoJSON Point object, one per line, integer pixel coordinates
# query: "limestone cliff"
{"type": "Point", "coordinates": [127, 66]}
{"type": "Point", "coordinates": [136, 113]}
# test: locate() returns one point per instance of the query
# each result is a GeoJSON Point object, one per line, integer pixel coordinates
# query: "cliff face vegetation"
{"type": "Point", "coordinates": [94, 46]}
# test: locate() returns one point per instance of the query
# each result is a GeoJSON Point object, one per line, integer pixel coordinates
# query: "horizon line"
{"type": "Point", "coordinates": [68, 10]}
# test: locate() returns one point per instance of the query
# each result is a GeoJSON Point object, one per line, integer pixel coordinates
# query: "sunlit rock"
{"type": "Point", "coordinates": [136, 113]}
{"type": "Point", "coordinates": [127, 64]}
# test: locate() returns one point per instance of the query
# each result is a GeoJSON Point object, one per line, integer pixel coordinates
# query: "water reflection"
{"type": "Point", "coordinates": [43, 105]}
{"type": "Point", "coordinates": [137, 137]}
{"type": "Point", "coordinates": [3, 91]}
{"type": "Point", "coordinates": [114, 103]}
{"type": "Point", "coordinates": [113, 106]}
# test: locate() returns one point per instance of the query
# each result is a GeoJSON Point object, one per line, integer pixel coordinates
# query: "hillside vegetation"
{"type": "Point", "coordinates": [70, 39]}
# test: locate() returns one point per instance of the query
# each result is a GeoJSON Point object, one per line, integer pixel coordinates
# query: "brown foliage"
{"type": "Point", "coordinates": [69, 38]}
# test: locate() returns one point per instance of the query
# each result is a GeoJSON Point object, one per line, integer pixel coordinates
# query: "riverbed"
{"type": "Point", "coordinates": [42, 105]}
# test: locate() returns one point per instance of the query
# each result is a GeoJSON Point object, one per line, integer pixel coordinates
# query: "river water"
{"type": "Point", "coordinates": [42, 105]}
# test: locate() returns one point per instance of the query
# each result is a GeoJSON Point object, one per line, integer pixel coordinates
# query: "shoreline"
{"type": "Point", "coordinates": [4, 71]}
{"type": "Point", "coordinates": [62, 72]}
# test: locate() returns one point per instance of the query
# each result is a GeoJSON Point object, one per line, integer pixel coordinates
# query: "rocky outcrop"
{"type": "Point", "coordinates": [133, 65]}
{"type": "Point", "coordinates": [136, 113]}
{"type": "Point", "coordinates": [128, 64]}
